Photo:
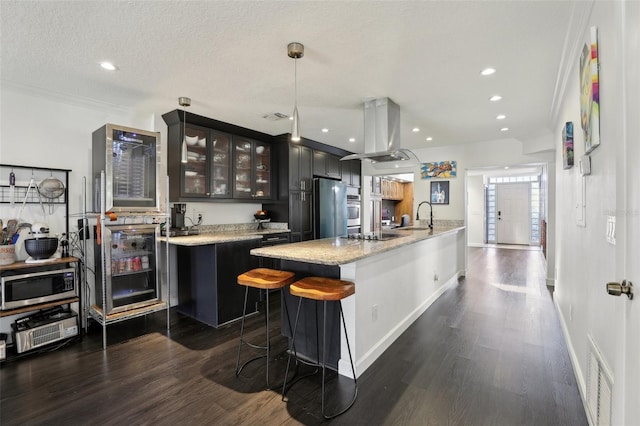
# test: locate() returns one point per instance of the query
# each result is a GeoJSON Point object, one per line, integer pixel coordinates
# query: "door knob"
{"type": "Point", "coordinates": [617, 289]}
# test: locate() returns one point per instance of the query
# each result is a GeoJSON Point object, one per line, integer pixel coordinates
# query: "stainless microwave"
{"type": "Point", "coordinates": [24, 289]}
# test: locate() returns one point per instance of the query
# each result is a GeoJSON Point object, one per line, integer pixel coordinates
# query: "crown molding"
{"type": "Point", "coordinates": [65, 98]}
{"type": "Point", "coordinates": [574, 39]}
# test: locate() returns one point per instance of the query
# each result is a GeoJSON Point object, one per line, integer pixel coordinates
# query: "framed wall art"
{"type": "Point", "coordinates": [440, 192]}
{"type": "Point", "coordinates": [439, 169]}
{"type": "Point", "coordinates": [590, 92]}
{"type": "Point", "coordinates": [567, 145]}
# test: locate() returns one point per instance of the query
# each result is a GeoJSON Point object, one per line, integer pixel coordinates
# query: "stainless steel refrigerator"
{"type": "Point", "coordinates": [330, 208]}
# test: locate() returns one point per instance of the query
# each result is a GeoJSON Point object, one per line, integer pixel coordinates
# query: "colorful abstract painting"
{"type": "Point", "coordinates": [439, 169]}
{"type": "Point", "coordinates": [590, 93]}
{"type": "Point", "coordinates": [567, 145]}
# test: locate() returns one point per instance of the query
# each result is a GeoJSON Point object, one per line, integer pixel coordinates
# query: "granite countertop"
{"type": "Point", "coordinates": [218, 237]}
{"type": "Point", "coordinates": [340, 251]}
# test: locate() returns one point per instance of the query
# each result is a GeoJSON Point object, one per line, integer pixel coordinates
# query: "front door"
{"type": "Point", "coordinates": [628, 212]}
{"type": "Point", "coordinates": [513, 209]}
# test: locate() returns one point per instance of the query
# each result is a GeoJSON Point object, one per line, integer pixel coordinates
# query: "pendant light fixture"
{"type": "Point", "coordinates": [296, 51]}
{"type": "Point", "coordinates": [184, 102]}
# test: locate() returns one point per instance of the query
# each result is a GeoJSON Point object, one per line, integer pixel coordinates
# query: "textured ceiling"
{"type": "Point", "coordinates": [231, 59]}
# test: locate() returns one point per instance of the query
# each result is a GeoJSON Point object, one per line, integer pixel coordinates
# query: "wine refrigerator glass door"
{"type": "Point", "coordinates": [131, 262]}
{"type": "Point", "coordinates": [131, 170]}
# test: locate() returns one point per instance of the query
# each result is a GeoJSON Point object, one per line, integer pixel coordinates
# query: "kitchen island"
{"type": "Point", "coordinates": [204, 269]}
{"type": "Point", "coordinates": [396, 280]}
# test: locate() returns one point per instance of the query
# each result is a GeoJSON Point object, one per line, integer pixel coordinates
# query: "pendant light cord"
{"type": "Point", "coordinates": [295, 82]}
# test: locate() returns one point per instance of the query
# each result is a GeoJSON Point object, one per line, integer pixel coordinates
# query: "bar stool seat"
{"type": "Point", "coordinates": [322, 289]}
{"type": "Point", "coordinates": [262, 279]}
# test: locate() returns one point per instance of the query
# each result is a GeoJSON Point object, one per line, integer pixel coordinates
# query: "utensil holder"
{"type": "Point", "coordinates": [7, 254]}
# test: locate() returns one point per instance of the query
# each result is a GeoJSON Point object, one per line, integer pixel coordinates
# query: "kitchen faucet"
{"type": "Point", "coordinates": [431, 214]}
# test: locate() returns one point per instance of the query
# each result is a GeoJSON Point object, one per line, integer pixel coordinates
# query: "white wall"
{"type": "Point", "coordinates": [475, 213]}
{"type": "Point", "coordinates": [479, 155]}
{"type": "Point", "coordinates": [44, 129]}
{"type": "Point", "coordinates": [585, 261]}
{"type": "Point", "coordinates": [51, 130]}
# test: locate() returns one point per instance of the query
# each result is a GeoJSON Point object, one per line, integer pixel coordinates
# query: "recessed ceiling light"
{"type": "Point", "coordinates": [495, 98]}
{"type": "Point", "coordinates": [487, 71]}
{"type": "Point", "coordinates": [108, 66]}
{"type": "Point", "coordinates": [352, 139]}
{"type": "Point", "coordinates": [325, 130]}
{"type": "Point", "coordinates": [501, 117]}
{"type": "Point", "coordinates": [415, 130]}
{"type": "Point", "coordinates": [504, 129]}
{"type": "Point", "coordinates": [429, 138]}
{"type": "Point", "coordinates": [506, 167]}
{"type": "Point", "coordinates": [291, 118]}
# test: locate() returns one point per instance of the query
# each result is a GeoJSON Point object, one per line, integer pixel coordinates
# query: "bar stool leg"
{"type": "Point", "coordinates": [267, 333]}
{"type": "Point", "coordinates": [268, 342]}
{"type": "Point", "coordinates": [293, 344]}
{"type": "Point", "coordinates": [244, 314]}
{"type": "Point", "coordinates": [324, 354]}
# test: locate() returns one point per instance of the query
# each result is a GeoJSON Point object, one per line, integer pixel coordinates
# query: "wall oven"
{"type": "Point", "coordinates": [29, 288]}
{"type": "Point", "coordinates": [353, 211]}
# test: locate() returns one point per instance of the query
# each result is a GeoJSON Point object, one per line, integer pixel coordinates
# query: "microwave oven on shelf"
{"type": "Point", "coordinates": [20, 289]}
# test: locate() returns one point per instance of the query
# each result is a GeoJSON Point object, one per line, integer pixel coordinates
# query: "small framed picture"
{"type": "Point", "coordinates": [440, 192]}
{"type": "Point", "coordinates": [567, 145]}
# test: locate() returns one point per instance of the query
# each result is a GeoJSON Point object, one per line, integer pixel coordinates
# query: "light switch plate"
{"type": "Point", "coordinates": [611, 230]}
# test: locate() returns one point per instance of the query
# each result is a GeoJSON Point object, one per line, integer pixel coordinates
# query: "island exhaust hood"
{"type": "Point", "coordinates": [382, 137]}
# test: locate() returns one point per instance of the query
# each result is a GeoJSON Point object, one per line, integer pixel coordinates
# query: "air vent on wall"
{"type": "Point", "coordinates": [275, 116]}
{"type": "Point", "coordinates": [599, 386]}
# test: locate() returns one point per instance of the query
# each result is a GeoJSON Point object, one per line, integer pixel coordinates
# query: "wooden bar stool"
{"type": "Point", "coordinates": [262, 279]}
{"type": "Point", "coordinates": [323, 290]}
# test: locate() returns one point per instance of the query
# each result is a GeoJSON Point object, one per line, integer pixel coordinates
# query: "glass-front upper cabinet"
{"type": "Point", "coordinates": [129, 159]}
{"type": "Point", "coordinates": [221, 164]}
{"type": "Point", "coordinates": [252, 169]}
{"type": "Point", "coordinates": [207, 171]}
{"type": "Point", "coordinates": [262, 170]}
{"type": "Point", "coordinates": [195, 169]}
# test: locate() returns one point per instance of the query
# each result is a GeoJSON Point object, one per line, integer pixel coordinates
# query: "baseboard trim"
{"type": "Point", "coordinates": [372, 354]}
{"type": "Point", "coordinates": [577, 371]}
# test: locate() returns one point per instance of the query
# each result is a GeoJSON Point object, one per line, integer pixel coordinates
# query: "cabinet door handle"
{"type": "Point", "coordinates": [302, 196]}
{"type": "Point", "coordinates": [302, 184]}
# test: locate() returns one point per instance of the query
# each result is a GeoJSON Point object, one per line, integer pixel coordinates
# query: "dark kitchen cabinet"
{"type": "Point", "coordinates": [270, 240]}
{"type": "Point", "coordinates": [326, 165]}
{"type": "Point", "coordinates": [223, 162]}
{"type": "Point", "coordinates": [351, 171]}
{"type": "Point", "coordinates": [252, 169]}
{"type": "Point", "coordinates": [207, 171]}
{"type": "Point", "coordinates": [300, 167]}
{"type": "Point", "coordinates": [301, 215]}
{"type": "Point", "coordinates": [298, 163]}
{"type": "Point", "coordinates": [220, 160]}
{"type": "Point", "coordinates": [207, 289]}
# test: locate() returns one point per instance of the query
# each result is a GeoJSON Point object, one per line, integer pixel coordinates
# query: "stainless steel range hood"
{"type": "Point", "coordinates": [382, 137]}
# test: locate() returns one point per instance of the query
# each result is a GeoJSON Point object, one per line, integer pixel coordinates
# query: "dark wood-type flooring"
{"type": "Point", "coordinates": [489, 351]}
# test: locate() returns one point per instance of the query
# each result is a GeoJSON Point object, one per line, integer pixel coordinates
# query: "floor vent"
{"type": "Point", "coordinates": [599, 387]}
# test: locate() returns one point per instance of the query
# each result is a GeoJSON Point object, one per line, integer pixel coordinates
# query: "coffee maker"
{"type": "Point", "coordinates": [178, 226]}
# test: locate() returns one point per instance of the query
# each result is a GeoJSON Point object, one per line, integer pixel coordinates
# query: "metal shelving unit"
{"type": "Point", "coordinates": [95, 311]}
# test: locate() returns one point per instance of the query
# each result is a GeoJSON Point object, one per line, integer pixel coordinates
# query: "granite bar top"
{"type": "Point", "coordinates": [217, 234]}
{"type": "Point", "coordinates": [340, 250]}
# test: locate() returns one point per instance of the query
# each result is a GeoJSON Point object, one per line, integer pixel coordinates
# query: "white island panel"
{"type": "Point", "coordinates": [392, 290]}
